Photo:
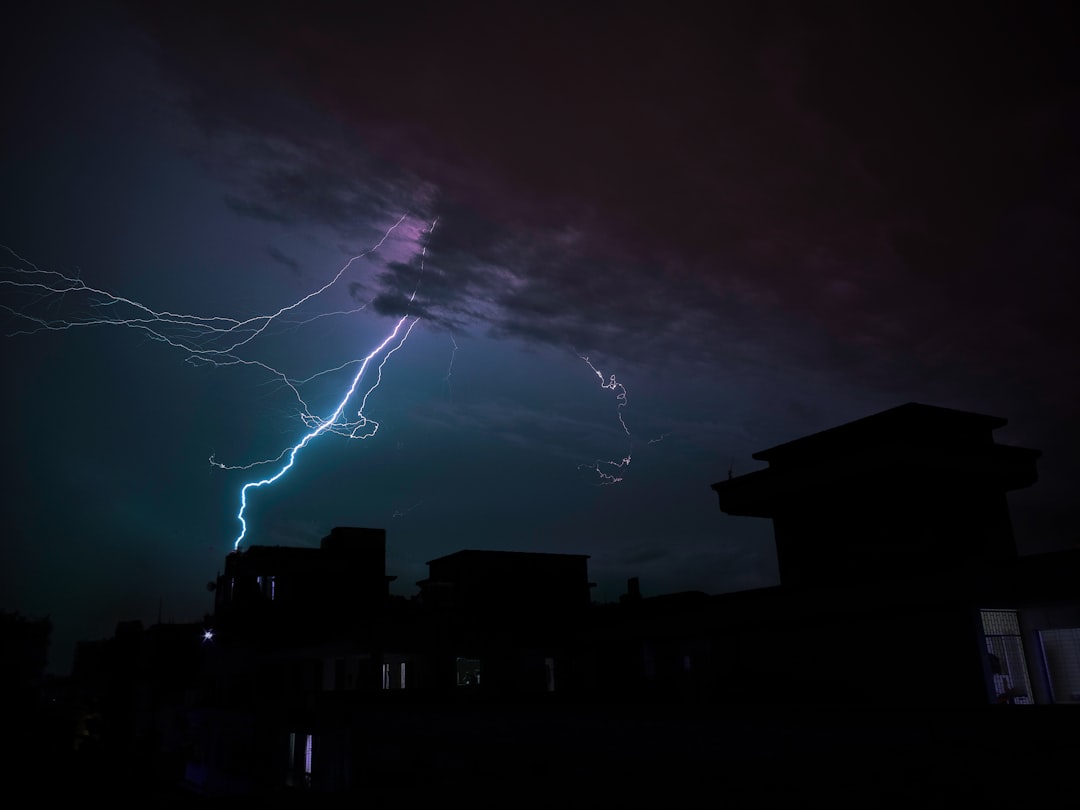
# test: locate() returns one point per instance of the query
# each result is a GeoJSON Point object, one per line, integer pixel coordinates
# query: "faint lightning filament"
{"type": "Point", "coordinates": [602, 468]}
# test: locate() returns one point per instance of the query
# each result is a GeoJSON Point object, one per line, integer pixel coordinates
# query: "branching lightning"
{"type": "Point", "coordinates": [360, 428]}
{"type": "Point", "coordinates": [600, 467]}
{"type": "Point", "coordinates": [198, 335]}
{"type": "Point", "coordinates": [215, 340]}
{"type": "Point", "coordinates": [352, 429]}
{"type": "Point", "coordinates": [400, 513]}
{"type": "Point", "coordinates": [612, 385]}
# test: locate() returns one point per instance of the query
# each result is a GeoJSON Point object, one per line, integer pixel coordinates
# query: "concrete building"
{"type": "Point", "coordinates": [505, 620]}
{"type": "Point", "coordinates": [900, 577]}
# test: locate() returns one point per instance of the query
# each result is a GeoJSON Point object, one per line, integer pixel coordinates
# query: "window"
{"type": "Point", "coordinates": [393, 675]}
{"type": "Point", "coordinates": [1009, 681]}
{"type": "Point", "coordinates": [468, 671]}
{"type": "Point", "coordinates": [1061, 656]}
{"type": "Point", "coordinates": [309, 748]}
{"type": "Point", "coordinates": [267, 586]}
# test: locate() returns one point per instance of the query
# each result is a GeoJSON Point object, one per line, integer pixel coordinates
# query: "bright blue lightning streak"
{"type": "Point", "coordinates": [327, 423]}
{"type": "Point", "coordinates": [202, 338]}
{"type": "Point", "coordinates": [352, 428]}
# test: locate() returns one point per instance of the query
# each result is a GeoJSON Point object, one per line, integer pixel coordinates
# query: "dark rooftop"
{"type": "Point", "coordinates": [913, 423]}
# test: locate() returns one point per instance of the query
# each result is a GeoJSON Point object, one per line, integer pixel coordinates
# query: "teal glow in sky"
{"type": "Point", "coordinates": [763, 226]}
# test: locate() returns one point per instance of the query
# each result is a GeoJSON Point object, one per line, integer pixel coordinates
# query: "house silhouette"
{"type": "Point", "coordinates": [900, 579]}
{"type": "Point", "coordinates": [915, 489]}
{"type": "Point", "coordinates": [901, 591]}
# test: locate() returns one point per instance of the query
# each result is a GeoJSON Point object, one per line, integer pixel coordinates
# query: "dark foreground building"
{"type": "Point", "coordinates": [904, 622]}
{"type": "Point", "coordinates": [900, 577]}
{"type": "Point", "coordinates": [317, 678]}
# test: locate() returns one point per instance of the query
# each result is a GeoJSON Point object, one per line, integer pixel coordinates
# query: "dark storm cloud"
{"type": "Point", "coordinates": [852, 175]}
{"type": "Point", "coordinates": [774, 217]}
{"type": "Point", "coordinates": [885, 196]}
{"type": "Point", "coordinates": [256, 210]}
{"type": "Point", "coordinates": [398, 305]}
{"type": "Point", "coordinates": [424, 289]}
{"type": "Point", "coordinates": [301, 180]}
{"type": "Point", "coordinates": [543, 289]}
{"type": "Point", "coordinates": [287, 161]}
{"type": "Point", "coordinates": [359, 292]}
{"type": "Point", "coordinates": [292, 264]}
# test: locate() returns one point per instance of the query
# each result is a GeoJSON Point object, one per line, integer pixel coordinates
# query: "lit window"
{"type": "Point", "coordinates": [393, 675]}
{"type": "Point", "coordinates": [267, 586]}
{"type": "Point", "coordinates": [294, 765]}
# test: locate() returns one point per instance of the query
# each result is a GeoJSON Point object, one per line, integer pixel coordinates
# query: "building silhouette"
{"type": "Point", "coordinates": [283, 595]}
{"type": "Point", "coordinates": [911, 490]}
{"type": "Point", "coordinates": [894, 530]}
{"type": "Point", "coordinates": [901, 588]}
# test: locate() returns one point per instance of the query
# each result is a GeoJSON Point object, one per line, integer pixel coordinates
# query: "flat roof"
{"type": "Point", "coordinates": [911, 422]}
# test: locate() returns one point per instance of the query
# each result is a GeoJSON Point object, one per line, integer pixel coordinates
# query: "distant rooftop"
{"type": "Point", "coordinates": [472, 554]}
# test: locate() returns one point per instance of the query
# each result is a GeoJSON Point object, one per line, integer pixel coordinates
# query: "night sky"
{"type": "Point", "coordinates": [764, 220]}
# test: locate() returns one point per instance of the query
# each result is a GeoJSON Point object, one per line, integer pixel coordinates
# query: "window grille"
{"type": "Point", "coordinates": [1005, 652]}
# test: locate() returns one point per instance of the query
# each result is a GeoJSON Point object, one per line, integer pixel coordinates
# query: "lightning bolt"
{"type": "Point", "coordinates": [194, 334]}
{"type": "Point", "coordinates": [612, 385]}
{"type": "Point", "coordinates": [399, 513]}
{"type": "Point", "coordinates": [215, 340]}
{"type": "Point", "coordinates": [328, 423]}
{"type": "Point", "coordinates": [360, 428]}
{"type": "Point", "coordinates": [621, 396]}
{"type": "Point", "coordinates": [450, 370]}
